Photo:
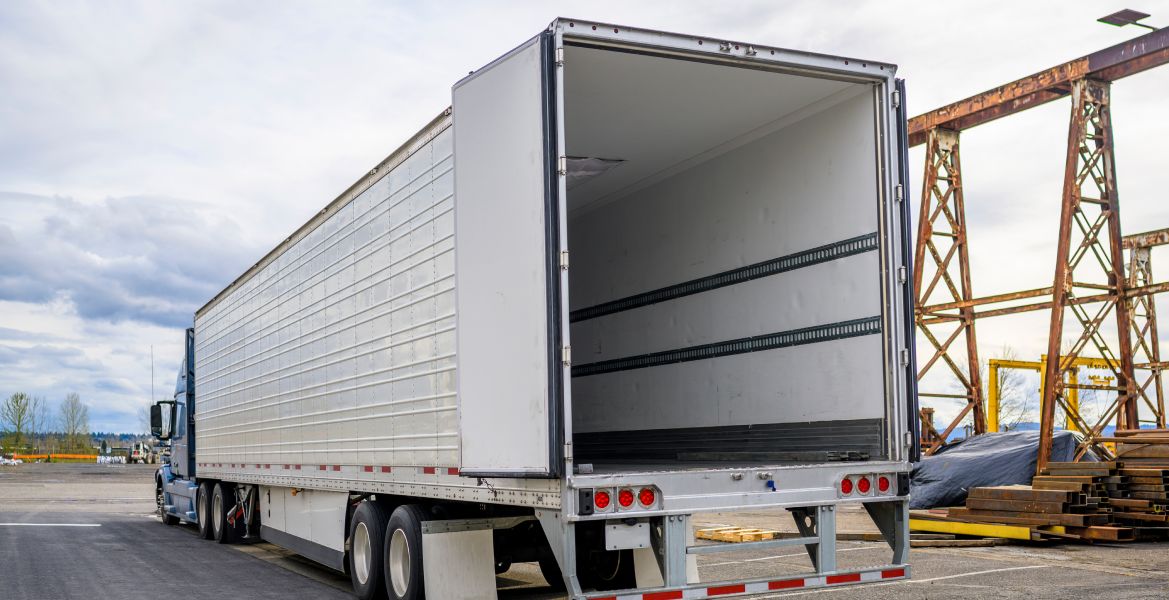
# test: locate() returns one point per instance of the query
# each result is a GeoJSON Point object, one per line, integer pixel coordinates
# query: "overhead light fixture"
{"type": "Point", "coordinates": [584, 168]}
{"type": "Point", "coordinates": [1124, 17]}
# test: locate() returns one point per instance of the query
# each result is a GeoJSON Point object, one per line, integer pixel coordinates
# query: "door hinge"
{"type": "Point", "coordinates": [896, 98]}
{"type": "Point", "coordinates": [568, 450]}
{"type": "Point", "coordinates": [560, 56]}
{"type": "Point", "coordinates": [905, 357]}
{"type": "Point", "coordinates": [566, 356]}
{"type": "Point", "coordinates": [899, 192]}
{"type": "Point", "coordinates": [902, 274]}
{"type": "Point", "coordinates": [908, 439]}
{"type": "Point", "coordinates": [562, 166]}
{"type": "Point", "coordinates": [564, 260]}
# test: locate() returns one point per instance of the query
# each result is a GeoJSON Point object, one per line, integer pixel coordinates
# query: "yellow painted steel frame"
{"type": "Point", "coordinates": [1010, 532]}
{"type": "Point", "coordinates": [1073, 400]}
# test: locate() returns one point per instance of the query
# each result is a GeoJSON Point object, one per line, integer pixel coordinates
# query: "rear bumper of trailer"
{"type": "Point", "coordinates": [731, 589]}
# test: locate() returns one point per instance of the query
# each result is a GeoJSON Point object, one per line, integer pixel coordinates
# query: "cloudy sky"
{"type": "Point", "coordinates": [152, 151]}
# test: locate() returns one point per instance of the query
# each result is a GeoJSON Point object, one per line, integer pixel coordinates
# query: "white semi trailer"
{"type": "Point", "coordinates": [629, 277]}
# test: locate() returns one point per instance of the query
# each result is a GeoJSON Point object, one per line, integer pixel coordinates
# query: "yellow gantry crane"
{"type": "Point", "coordinates": [1040, 366]}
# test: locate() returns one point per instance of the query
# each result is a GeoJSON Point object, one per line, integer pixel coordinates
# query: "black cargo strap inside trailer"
{"type": "Point", "coordinates": [774, 266]}
{"type": "Point", "coordinates": [758, 343]}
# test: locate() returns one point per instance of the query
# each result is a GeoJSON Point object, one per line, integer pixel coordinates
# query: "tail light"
{"type": "Point", "coordinates": [870, 484]}
{"type": "Point", "coordinates": [601, 499]}
{"type": "Point", "coordinates": [646, 496]}
{"type": "Point", "coordinates": [625, 498]}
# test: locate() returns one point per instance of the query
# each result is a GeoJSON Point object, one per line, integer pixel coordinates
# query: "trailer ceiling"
{"type": "Point", "coordinates": [655, 114]}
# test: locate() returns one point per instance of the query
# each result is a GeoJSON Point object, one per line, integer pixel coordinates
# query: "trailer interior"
{"type": "Point", "coordinates": [723, 224]}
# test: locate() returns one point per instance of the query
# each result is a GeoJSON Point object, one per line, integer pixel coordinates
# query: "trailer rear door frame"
{"type": "Point", "coordinates": [507, 266]}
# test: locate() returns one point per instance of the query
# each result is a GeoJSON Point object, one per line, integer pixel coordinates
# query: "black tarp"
{"type": "Point", "coordinates": [982, 460]}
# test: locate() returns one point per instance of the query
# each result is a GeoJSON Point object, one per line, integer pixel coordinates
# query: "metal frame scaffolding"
{"type": "Point", "coordinates": [1090, 280]}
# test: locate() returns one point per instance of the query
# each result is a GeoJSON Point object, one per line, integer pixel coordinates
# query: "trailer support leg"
{"type": "Point", "coordinates": [669, 542]}
{"type": "Point", "coordinates": [562, 538]}
{"type": "Point", "coordinates": [892, 518]}
{"type": "Point", "coordinates": [819, 522]}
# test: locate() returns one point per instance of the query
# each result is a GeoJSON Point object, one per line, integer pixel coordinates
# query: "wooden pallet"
{"type": "Point", "coordinates": [735, 534]}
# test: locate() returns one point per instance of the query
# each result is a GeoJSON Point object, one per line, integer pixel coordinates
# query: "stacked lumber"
{"type": "Point", "coordinates": [1100, 483]}
{"type": "Point", "coordinates": [1143, 447]}
{"type": "Point", "coordinates": [1057, 509]}
{"type": "Point", "coordinates": [1121, 500]}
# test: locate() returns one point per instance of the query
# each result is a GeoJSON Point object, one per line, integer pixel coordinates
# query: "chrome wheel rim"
{"type": "Point", "coordinates": [361, 553]}
{"type": "Point", "coordinates": [217, 513]}
{"type": "Point", "coordinates": [400, 562]}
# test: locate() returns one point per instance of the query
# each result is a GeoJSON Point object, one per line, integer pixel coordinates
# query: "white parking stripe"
{"type": "Point", "coordinates": [50, 524]}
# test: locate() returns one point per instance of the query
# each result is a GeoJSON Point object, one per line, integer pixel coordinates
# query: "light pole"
{"type": "Point", "coordinates": [1124, 17]}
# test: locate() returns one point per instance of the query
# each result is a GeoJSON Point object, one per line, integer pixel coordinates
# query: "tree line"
{"type": "Point", "coordinates": [29, 423]}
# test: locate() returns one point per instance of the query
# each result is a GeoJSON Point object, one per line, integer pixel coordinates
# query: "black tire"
{"type": "Point", "coordinates": [160, 502]}
{"type": "Point", "coordinates": [367, 534]}
{"type": "Point", "coordinates": [203, 510]}
{"type": "Point", "coordinates": [403, 554]}
{"type": "Point", "coordinates": [222, 502]}
{"type": "Point", "coordinates": [609, 570]}
{"type": "Point", "coordinates": [550, 569]}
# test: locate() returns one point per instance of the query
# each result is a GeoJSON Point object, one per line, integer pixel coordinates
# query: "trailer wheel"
{"type": "Point", "coordinates": [550, 569]}
{"type": "Point", "coordinates": [609, 570]}
{"type": "Point", "coordinates": [160, 501]}
{"type": "Point", "coordinates": [403, 553]}
{"type": "Point", "coordinates": [222, 501]}
{"type": "Point", "coordinates": [203, 510]}
{"type": "Point", "coordinates": [367, 530]}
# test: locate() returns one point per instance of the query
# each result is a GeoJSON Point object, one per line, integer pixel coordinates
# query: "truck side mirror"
{"type": "Point", "coordinates": [162, 419]}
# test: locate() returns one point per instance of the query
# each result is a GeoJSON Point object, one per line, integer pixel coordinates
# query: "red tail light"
{"type": "Point", "coordinates": [601, 500]}
{"type": "Point", "coordinates": [883, 484]}
{"type": "Point", "coordinates": [646, 497]}
{"type": "Point", "coordinates": [846, 486]}
{"type": "Point", "coordinates": [625, 498]}
{"type": "Point", "coordinates": [864, 485]}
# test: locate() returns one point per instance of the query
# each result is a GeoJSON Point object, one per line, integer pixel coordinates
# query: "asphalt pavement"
{"type": "Point", "coordinates": [87, 531]}
{"type": "Point", "coordinates": [64, 556]}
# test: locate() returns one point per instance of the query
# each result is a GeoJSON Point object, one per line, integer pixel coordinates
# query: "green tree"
{"type": "Point", "coordinates": [16, 416]}
{"type": "Point", "coordinates": [74, 417]}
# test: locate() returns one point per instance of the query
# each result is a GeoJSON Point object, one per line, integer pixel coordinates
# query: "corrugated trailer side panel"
{"type": "Point", "coordinates": [339, 352]}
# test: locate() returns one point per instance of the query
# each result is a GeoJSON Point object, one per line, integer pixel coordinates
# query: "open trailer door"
{"type": "Point", "coordinates": [507, 272]}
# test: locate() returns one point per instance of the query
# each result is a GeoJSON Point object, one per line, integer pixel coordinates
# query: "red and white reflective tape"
{"type": "Point", "coordinates": [757, 587]}
{"type": "Point", "coordinates": [361, 468]}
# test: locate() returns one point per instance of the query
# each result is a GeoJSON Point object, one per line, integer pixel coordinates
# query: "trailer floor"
{"type": "Point", "coordinates": [122, 551]}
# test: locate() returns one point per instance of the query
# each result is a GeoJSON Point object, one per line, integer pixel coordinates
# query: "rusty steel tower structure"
{"type": "Point", "coordinates": [1106, 305]}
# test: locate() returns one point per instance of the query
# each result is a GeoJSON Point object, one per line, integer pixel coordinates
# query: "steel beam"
{"type": "Point", "coordinates": [1116, 62]}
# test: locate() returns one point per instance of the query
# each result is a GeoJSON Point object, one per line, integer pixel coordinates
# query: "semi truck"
{"type": "Point", "coordinates": [627, 278]}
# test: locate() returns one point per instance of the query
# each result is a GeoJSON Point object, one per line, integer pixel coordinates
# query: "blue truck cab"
{"type": "Point", "coordinates": [176, 487]}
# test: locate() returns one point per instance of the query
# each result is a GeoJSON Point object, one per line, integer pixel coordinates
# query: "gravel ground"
{"type": "Point", "coordinates": [89, 530]}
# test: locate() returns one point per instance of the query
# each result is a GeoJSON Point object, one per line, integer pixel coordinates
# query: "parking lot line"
{"type": "Point", "coordinates": [50, 524]}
